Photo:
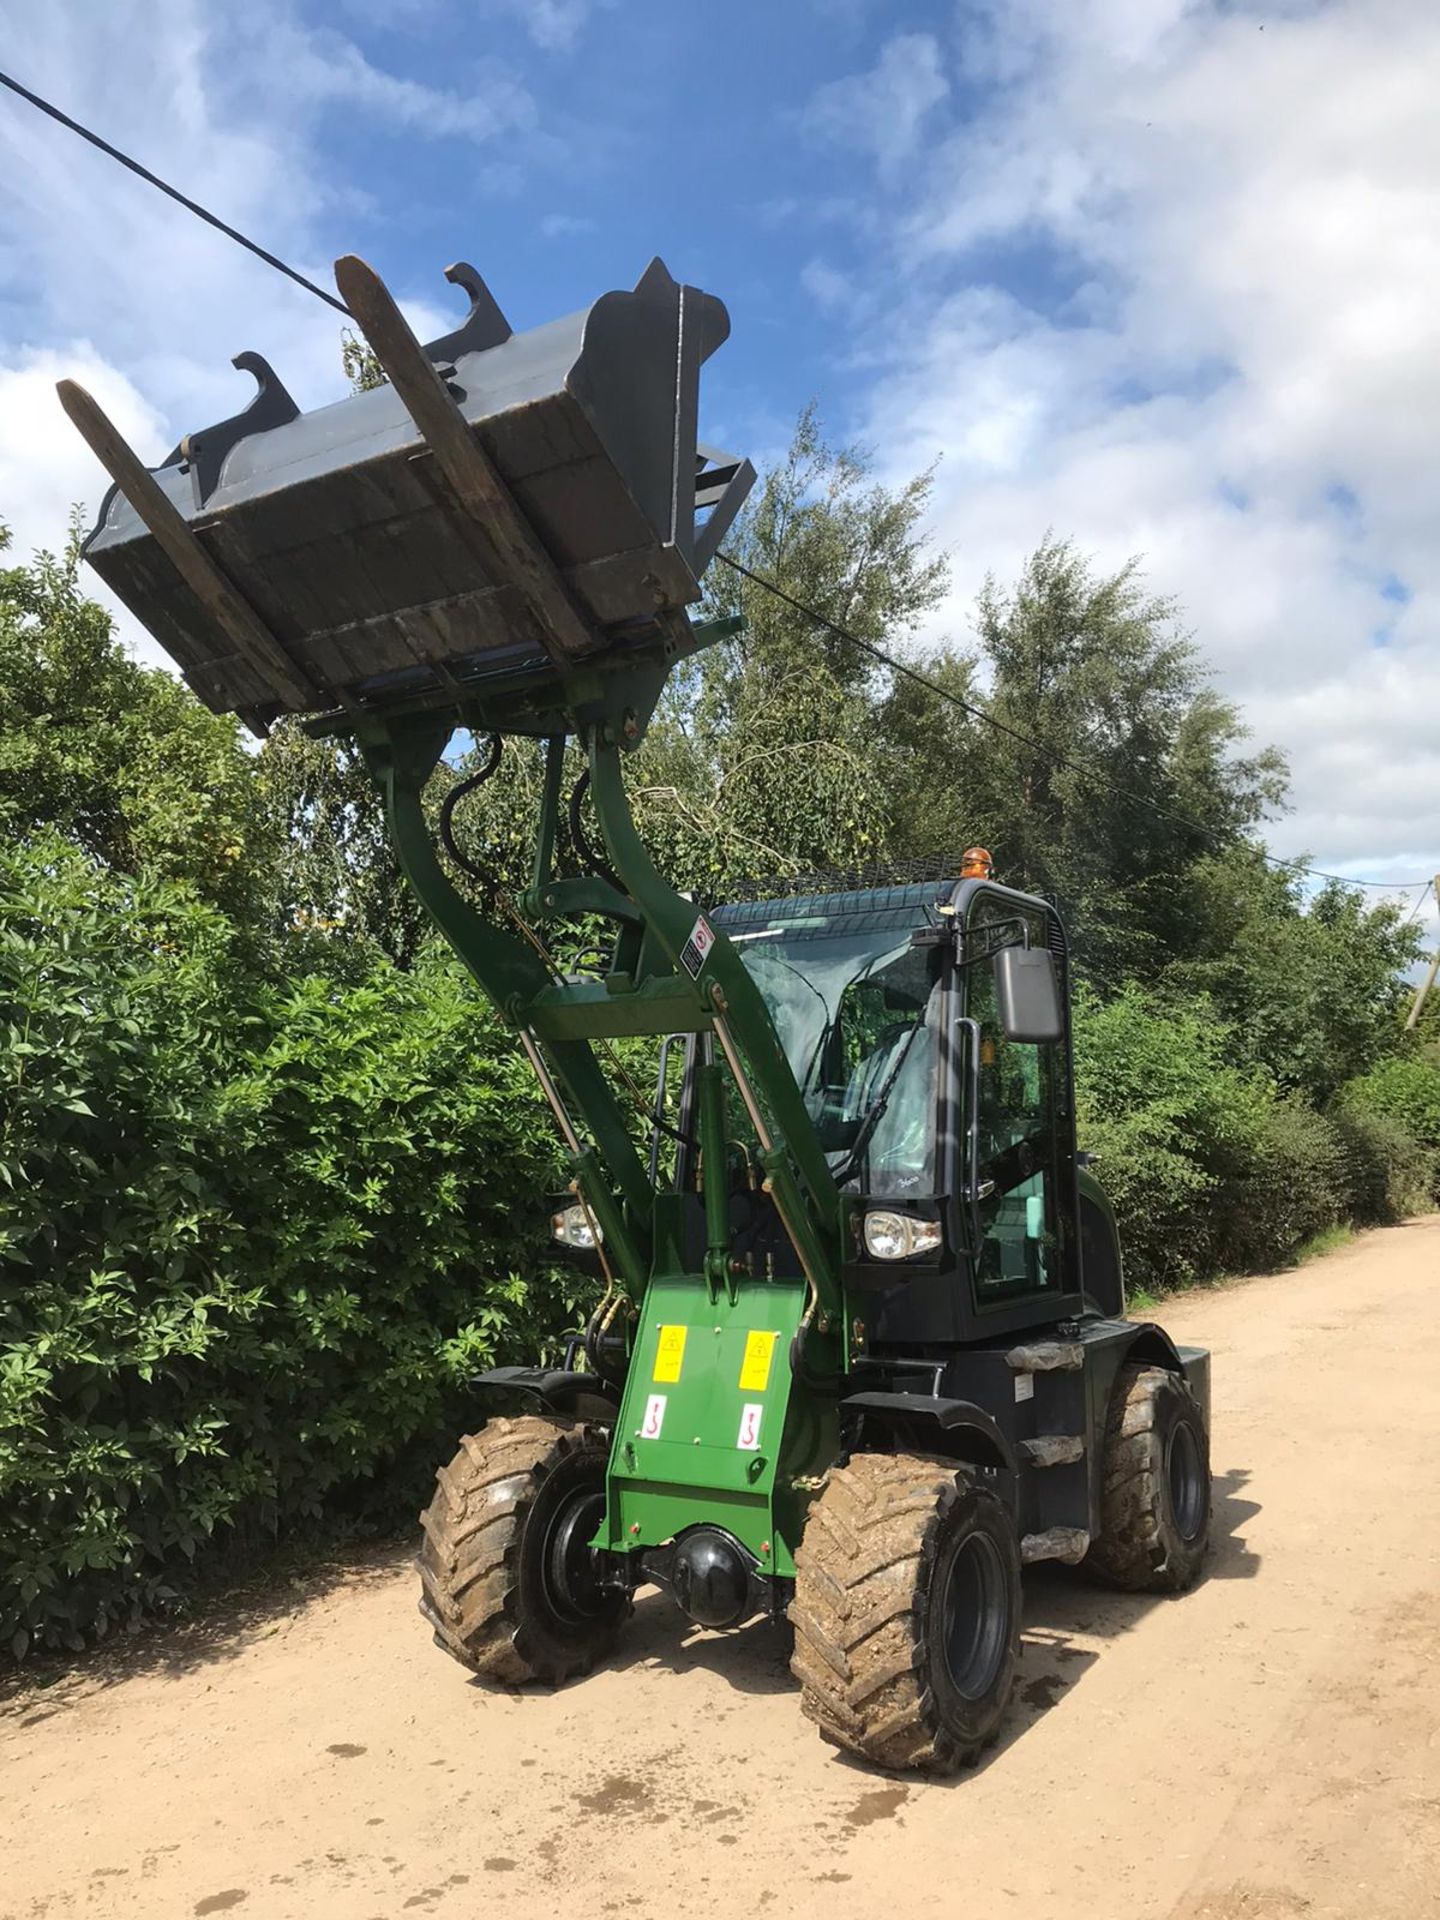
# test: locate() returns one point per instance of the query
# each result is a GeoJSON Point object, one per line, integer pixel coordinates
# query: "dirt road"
{"type": "Point", "coordinates": [1266, 1747]}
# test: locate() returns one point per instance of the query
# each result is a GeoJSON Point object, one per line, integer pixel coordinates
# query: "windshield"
{"type": "Point", "coordinates": [856, 1013]}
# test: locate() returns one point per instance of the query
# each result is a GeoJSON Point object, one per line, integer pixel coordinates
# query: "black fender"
{"type": "Point", "coordinates": [583, 1396]}
{"type": "Point", "coordinates": [958, 1428]}
{"type": "Point", "coordinates": [1152, 1345]}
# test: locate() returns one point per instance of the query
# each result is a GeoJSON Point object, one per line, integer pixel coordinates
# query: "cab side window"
{"type": "Point", "coordinates": [1018, 1130]}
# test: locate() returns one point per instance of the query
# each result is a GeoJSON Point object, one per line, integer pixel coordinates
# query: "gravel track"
{"type": "Point", "coordinates": [1265, 1748]}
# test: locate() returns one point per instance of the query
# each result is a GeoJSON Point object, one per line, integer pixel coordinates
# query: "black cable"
{"type": "Point", "coordinates": [457, 793]}
{"type": "Point", "coordinates": [191, 206]}
{"type": "Point", "coordinates": [1028, 740]}
{"type": "Point", "coordinates": [580, 840]}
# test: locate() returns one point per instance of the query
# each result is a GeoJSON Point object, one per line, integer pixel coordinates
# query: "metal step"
{"type": "Point", "coordinates": [1047, 1356]}
{"type": "Point", "coordinates": [1053, 1449]}
{"type": "Point", "coordinates": [1069, 1544]}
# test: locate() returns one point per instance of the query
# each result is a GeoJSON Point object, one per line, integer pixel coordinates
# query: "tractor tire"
{"type": "Point", "coordinates": [506, 1576]}
{"type": "Point", "coordinates": [1155, 1494]}
{"type": "Point", "coordinates": [907, 1612]}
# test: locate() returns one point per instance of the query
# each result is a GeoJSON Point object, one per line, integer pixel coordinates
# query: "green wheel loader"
{"type": "Point", "coordinates": [861, 1353]}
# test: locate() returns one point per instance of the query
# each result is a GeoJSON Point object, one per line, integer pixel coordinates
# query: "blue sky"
{"type": "Point", "coordinates": [1160, 274]}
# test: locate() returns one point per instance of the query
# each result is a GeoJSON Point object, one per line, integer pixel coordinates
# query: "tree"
{"type": "Point", "coordinates": [1313, 990]}
{"type": "Point", "coordinates": [763, 756]}
{"type": "Point", "coordinates": [357, 357]}
{"type": "Point", "coordinates": [120, 758]}
{"type": "Point", "coordinates": [1135, 772]}
{"type": "Point", "coordinates": [336, 871]}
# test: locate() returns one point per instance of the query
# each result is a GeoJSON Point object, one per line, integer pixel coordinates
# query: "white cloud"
{"type": "Point", "coordinates": [883, 112]}
{"type": "Point", "coordinates": [44, 468]}
{"type": "Point", "coordinates": [555, 26]}
{"type": "Point", "coordinates": [1173, 290]}
{"type": "Point", "coordinates": [565, 226]}
{"type": "Point", "coordinates": [324, 68]}
{"type": "Point", "coordinates": [827, 287]}
{"type": "Point", "coordinates": [147, 303]}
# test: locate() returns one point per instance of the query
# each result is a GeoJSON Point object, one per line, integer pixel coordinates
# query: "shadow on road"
{"type": "Point", "coordinates": [755, 1659]}
{"type": "Point", "coordinates": [217, 1624]}
{"type": "Point", "coordinates": [1062, 1611]}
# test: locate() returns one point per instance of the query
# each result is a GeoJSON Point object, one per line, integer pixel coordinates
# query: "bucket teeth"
{"type": "Point", "coordinates": [272, 406]}
{"type": "Point", "coordinates": [484, 326]}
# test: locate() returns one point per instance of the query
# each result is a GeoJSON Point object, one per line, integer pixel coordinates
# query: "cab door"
{"type": "Point", "coordinates": [1021, 1119]}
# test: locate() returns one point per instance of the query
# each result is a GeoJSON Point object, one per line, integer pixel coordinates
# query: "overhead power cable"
{"type": "Point", "coordinates": [191, 206]}
{"type": "Point", "coordinates": [1085, 769]}
{"type": "Point", "coordinates": [812, 614]}
{"type": "Point", "coordinates": [1419, 902]}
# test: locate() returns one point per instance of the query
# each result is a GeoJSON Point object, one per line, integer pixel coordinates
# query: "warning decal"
{"type": "Point", "coordinates": [755, 1368]}
{"type": "Point", "coordinates": [654, 1417]}
{"type": "Point", "coordinates": [748, 1440]}
{"type": "Point", "coordinates": [695, 950]}
{"type": "Point", "coordinates": [669, 1355]}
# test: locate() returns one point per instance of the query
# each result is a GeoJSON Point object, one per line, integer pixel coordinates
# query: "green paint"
{"type": "Point", "coordinates": [726, 1453]}
{"type": "Point", "coordinates": [739, 1441]}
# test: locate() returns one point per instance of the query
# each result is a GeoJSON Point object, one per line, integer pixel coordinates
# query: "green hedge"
{"type": "Point", "coordinates": [259, 1222]}
{"type": "Point", "coordinates": [1209, 1168]}
{"type": "Point", "coordinates": [1402, 1092]}
{"type": "Point", "coordinates": [252, 1235]}
{"type": "Point", "coordinates": [1388, 1172]}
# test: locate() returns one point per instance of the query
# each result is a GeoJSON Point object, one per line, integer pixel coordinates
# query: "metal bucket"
{"type": "Point", "coordinates": [503, 497]}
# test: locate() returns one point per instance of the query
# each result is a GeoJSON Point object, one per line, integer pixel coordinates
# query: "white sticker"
{"type": "Point", "coordinates": [654, 1417]}
{"type": "Point", "coordinates": [1024, 1386]}
{"type": "Point", "coordinates": [695, 949]}
{"type": "Point", "coordinates": [749, 1439]}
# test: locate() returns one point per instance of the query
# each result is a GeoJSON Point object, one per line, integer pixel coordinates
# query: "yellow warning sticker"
{"type": "Point", "coordinates": [669, 1355]}
{"type": "Point", "coordinates": [755, 1368]}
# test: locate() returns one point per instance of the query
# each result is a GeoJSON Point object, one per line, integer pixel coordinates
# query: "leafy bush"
{"type": "Point", "coordinates": [1388, 1174]}
{"type": "Point", "coordinates": [1209, 1170]}
{"type": "Point", "coordinates": [1404, 1090]}
{"type": "Point", "coordinates": [1313, 988]}
{"type": "Point", "coordinates": [251, 1235]}
{"type": "Point", "coordinates": [1175, 1128]}
{"type": "Point", "coordinates": [1293, 1188]}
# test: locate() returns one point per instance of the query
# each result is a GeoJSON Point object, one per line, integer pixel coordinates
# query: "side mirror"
{"type": "Point", "coordinates": [1027, 995]}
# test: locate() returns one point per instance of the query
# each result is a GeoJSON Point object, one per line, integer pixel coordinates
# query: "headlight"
{"type": "Point", "coordinates": [895, 1236]}
{"type": "Point", "coordinates": [572, 1228]}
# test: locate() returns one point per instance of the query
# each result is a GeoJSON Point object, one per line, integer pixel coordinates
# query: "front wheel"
{"type": "Point", "coordinates": [507, 1578]}
{"type": "Point", "coordinates": [907, 1612]}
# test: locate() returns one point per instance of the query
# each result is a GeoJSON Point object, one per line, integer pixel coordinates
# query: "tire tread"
{"type": "Point", "coordinates": [858, 1606]}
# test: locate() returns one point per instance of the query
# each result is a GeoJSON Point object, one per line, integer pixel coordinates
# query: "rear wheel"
{"type": "Point", "coordinates": [507, 1578]}
{"type": "Point", "coordinates": [907, 1612]}
{"type": "Point", "coordinates": [1155, 1500]}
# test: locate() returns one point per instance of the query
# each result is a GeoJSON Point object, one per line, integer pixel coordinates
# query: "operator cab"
{"type": "Point", "coordinates": [927, 1027]}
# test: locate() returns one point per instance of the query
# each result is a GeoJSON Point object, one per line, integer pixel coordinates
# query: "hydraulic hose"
{"type": "Point", "coordinates": [594, 862]}
{"type": "Point", "coordinates": [462, 791]}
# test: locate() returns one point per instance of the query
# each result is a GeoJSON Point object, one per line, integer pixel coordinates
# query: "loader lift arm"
{"type": "Point", "coordinates": [559, 1019]}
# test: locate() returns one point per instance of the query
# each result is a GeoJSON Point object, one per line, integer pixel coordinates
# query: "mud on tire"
{"type": "Point", "coordinates": [907, 1612]}
{"type": "Point", "coordinates": [505, 1577]}
{"type": "Point", "coordinates": [1155, 1498]}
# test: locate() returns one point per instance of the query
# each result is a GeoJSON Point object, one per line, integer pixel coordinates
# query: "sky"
{"type": "Point", "coordinates": [1162, 276]}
